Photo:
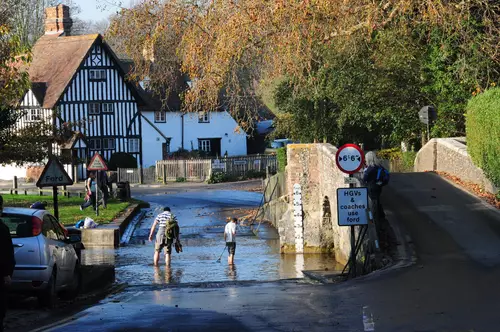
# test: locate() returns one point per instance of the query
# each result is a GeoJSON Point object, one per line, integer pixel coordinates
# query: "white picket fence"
{"type": "Point", "coordinates": [199, 170]}
{"type": "Point", "coordinates": [195, 170]}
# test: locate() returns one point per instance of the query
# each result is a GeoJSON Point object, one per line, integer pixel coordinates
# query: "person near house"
{"type": "Point", "coordinates": [373, 178]}
{"type": "Point", "coordinates": [230, 239]}
{"type": "Point", "coordinates": [103, 187]}
{"type": "Point", "coordinates": [91, 192]}
{"type": "Point", "coordinates": [7, 263]}
{"type": "Point", "coordinates": [168, 231]}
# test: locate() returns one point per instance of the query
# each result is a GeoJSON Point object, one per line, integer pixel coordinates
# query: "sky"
{"type": "Point", "coordinates": [96, 10]}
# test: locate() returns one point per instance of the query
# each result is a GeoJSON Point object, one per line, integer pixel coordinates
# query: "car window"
{"type": "Point", "coordinates": [58, 228]}
{"type": "Point", "coordinates": [48, 229]}
{"type": "Point", "coordinates": [19, 225]}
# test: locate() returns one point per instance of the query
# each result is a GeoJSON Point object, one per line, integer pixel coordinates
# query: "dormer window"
{"type": "Point", "coordinates": [97, 75]}
{"type": "Point", "coordinates": [160, 116]}
{"type": "Point", "coordinates": [203, 117]}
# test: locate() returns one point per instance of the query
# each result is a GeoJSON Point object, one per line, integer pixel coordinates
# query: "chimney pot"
{"type": "Point", "coordinates": [58, 20]}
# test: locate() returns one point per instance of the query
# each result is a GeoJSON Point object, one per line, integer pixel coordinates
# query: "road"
{"type": "Point", "coordinates": [452, 287]}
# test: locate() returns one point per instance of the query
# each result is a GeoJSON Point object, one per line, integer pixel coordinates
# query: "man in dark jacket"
{"type": "Point", "coordinates": [385, 232]}
{"type": "Point", "coordinates": [7, 264]}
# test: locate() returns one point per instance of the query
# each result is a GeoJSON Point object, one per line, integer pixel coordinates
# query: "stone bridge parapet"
{"type": "Point", "coordinates": [313, 167]}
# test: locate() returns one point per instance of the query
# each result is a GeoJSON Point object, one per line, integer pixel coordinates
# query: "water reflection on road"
{"type": "Point", "coordinates": [202, 218]}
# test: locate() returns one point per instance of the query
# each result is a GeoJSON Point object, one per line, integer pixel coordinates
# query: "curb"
{"type": "Point", "coordinates": [406, 257]}
{"type": "Point", "coordinates": [109, 235]}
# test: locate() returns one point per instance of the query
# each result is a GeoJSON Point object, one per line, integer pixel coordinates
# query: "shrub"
{"type": "Point", "coordinates": [483, 132]}
{"type": "Point", "coordinates": [281, 157]}
{"type": "Point", "coordinates": [398, 160]}
{"type": "Point", "coordinates": [122, 160]}
{"type": "Point", "coordinates": [253, 174]}
{"type": "Point", "coordinates": [180, 179]}
{"type": "Point", "coordinates": [218, 177]}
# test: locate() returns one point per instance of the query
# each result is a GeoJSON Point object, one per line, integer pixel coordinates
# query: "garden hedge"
{"type": "Point", "coordinates": [483, 132]}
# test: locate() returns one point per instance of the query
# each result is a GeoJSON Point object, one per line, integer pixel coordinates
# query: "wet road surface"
{"type": "Point", "coordinates": [449, 289]}
{"type": "Point", "coordinates": [202, 218]}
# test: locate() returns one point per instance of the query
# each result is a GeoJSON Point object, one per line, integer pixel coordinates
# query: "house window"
{"type": "Point", "coordinates": [34, 115]}
{"type": "Point", "coordinates": [133, 145]}
{"type": "Point", "coordinates": [160, 116]}
{"type": "Point", "coordinates": [97, 75]}
{"type": "Point", "coordinates": [203, 117]}
{"type": "Point", "coordinates": [94, 109]}
{"type": "Point", "coordinates": [107, 108]}
{"type": "Point", "coordinates": [204, 145]}
{"type": "Point", "coordinates": [94, 143]}
{"type": "Point", "coordinates": [108, 143]}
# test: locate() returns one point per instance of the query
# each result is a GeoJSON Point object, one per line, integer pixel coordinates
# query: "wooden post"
{"type": "Point", "coordinates": [56, 204]}
{"type": "Point", "coordinates": [164, 173]}
{"type": "Point", "coordinates": [40, 191]}
{"type": "Point", "coordinates": [14, 184]}
{"type": "Point", "coordinates": [65, 192]}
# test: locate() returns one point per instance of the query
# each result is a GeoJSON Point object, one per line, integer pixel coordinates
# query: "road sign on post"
{"type": "Point", "coordinates": [350, 158]}
{"type": "Point", "coordinates": [97, 164]}
{"type": "Point", "coordinates": [427, 114]}
{"type": "Point", "coordinates": [54, 175]}
{"type": "Point", "coordinates": [351, 206]}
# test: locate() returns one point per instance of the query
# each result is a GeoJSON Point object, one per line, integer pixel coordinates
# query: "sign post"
{"type": "Point", "coordinates": [97, 164]}
{"type": "Point", "coordinates": [350, 159]}
{"type": "Point", "coordinates": [54, 175]}
{"type": "Point", "coordinates": [427, 114]}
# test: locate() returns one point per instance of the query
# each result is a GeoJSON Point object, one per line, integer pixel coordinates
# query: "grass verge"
{"type": "Point", "coordinates": [69, 208]}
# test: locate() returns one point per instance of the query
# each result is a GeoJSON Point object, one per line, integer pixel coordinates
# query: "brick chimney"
{"type": "Point", "coordinates": [58, 21]}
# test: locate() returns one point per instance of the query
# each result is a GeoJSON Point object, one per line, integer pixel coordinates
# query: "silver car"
{"type": "Point", "coordinates": [46, 262]}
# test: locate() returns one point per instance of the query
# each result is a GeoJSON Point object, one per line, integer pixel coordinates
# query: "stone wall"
{"type": "Point", "coordinates": [450, 155]}
{"type": "Point", "coordinates": [313, 167]}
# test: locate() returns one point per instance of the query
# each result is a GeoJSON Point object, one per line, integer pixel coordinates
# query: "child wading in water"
{"type": "Point", "coordinates": [230, 238]}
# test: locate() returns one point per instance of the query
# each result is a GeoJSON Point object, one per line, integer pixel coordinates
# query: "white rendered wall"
{"type": "Point", "coordinates": [221, 123]}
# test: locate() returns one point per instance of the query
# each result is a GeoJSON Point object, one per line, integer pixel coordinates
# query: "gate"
{"type": "Point", "coordinates": [133, 175]}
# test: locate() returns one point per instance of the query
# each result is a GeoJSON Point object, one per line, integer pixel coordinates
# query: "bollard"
{"type": "Point", "coordinates": [40, 191]}
{"type": "Point", "coordinates": [25, 192]}
{"type": "Point", "coordinates": [14, 184]}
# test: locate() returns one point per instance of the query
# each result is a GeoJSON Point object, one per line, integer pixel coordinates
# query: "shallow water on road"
{"type": "Point", "coordinates": [202, 219]}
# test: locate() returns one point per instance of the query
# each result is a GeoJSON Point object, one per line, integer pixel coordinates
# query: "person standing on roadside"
{"type": "Point", "coordinates": [7, 263]}
{"type": "Point", "coordinates": [91, 192]}
{"type": "Point", "coordinates": [168, 231]}
{"type": "Point", "coordinates": [230, 239]}
{"type": "Point", "coordinates": [376, 177]}
{"type": "Point", "coordinates": [103, 187]}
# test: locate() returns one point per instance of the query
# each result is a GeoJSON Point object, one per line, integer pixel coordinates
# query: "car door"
{"type": "Point", "coordinates": [69, 257]}
{"type": "Point", "coordinates": [55, 247]}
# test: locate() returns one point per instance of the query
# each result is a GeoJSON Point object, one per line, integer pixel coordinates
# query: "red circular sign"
{"type": "Point", "coordinates": [350, 158]}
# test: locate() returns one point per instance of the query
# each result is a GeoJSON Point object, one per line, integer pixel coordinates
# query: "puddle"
{"type": "Point", "coordinates": [202, 219]}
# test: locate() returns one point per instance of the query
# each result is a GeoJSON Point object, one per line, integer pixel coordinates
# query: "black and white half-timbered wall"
{"type": "Point", "coordinates": [82, 82]}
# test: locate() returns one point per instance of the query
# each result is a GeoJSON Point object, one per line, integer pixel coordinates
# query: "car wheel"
{"type": "Point", "coordinates": [48, 297]}
{"type": "Point", "coordinates": [75, 286]}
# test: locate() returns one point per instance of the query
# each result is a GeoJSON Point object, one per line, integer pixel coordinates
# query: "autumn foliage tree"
{"type": "Point", "coordinates": [233, 46]}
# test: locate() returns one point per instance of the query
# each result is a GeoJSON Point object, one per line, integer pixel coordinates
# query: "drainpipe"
{"type": "Point", "coordinates": [182, 130]}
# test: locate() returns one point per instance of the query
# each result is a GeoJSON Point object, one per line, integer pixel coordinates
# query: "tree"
{"type": "Point", "coordinates": [28, 17]}
{"type": "Point", "coordinates": [13, 80]}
